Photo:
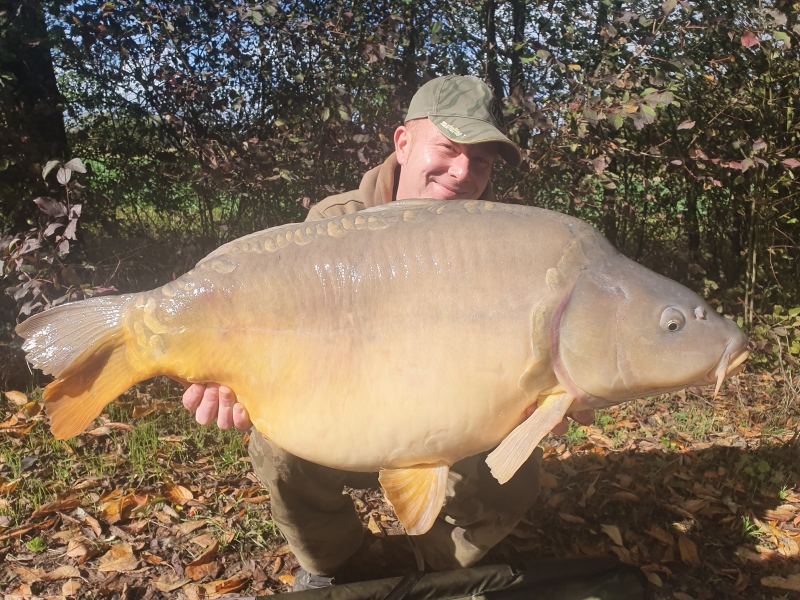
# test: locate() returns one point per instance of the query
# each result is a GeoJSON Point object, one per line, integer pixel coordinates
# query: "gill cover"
{"type": "Point", "coordinates": [627, 332]}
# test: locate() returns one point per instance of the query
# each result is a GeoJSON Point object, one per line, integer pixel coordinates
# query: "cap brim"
{"type": "Point", "coordinates": [464, 130]}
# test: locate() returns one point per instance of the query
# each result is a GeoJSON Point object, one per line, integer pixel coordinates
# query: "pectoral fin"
{"type": "Point", "coordinates": [522, 441]}
{"type": "Point", "coordinates": [416, 493]}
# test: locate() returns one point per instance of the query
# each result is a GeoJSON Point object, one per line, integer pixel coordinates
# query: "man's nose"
{"type": "Point", "coordinates": [461, 167]}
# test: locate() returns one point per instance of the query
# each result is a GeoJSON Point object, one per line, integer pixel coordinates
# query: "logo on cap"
{"type": "Point", "coordinates": [454, 130]}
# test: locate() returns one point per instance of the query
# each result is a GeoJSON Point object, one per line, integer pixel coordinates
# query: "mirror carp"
{"type": "Point", "coordinates": [399, 339]}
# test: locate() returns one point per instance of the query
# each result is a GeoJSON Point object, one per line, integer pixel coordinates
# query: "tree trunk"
{"type": "Point", "coordinates": [492, 70]}
{"type": "Point", "coordinates": [31, 117]}
{"type": "Point", "coordinates": [519, 16]}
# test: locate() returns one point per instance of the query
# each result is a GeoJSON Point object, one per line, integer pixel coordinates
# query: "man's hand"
{"type": "Point", "coordinates": [213, 401]}
{"type": "Point", "coordinates": [584, 417]}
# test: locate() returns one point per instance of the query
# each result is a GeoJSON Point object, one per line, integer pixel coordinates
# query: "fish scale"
{"type": "Point", "coordinates": [400, 339]}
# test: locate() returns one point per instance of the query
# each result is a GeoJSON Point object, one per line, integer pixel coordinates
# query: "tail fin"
{"type": "Point", "coordinates": [83, 345]}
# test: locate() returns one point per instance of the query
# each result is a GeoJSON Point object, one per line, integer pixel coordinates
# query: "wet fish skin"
{"type": "Point", "coordinates": [403, 338]}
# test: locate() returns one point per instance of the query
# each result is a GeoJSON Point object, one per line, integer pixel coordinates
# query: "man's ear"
{"type": "Point", "coordinates": [402, 144]}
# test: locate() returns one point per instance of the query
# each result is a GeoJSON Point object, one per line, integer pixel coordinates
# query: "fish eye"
{"type": "Point", "coordinates": [672, 319]}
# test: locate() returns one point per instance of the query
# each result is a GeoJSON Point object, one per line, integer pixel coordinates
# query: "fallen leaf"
{"type": "Point", "coordinates": [76, 549]}
{"type": "Point", "coordinates": [178, 494]}
{"type": "Point", "coordinates": [791, 163]}
{"type": "Point", "coordinates": [206, 569]}
{"type": "Point", "coordinates": [232, 584]}
{"type": "Point", "coordinates": [16, 397]}
{"type": "Point", "coordinates": [100, 431]}
{"type": "Point", "coordinates": [170, 582]}
{"type": "Point", "coordinates": [681, 596]}
{"type": "Point", "coordinates": [31, 409]}
{"type": "Point", "coordinates": [35, 575]}
{"type": "Point", "coordinates": [287, 579]}
{"type": "Point", "coordinates": [688, 551]}
{"type": "Point", "coordinates": [205, 540]}
{"type": "Point", "coordinates": [612, 531]}
{"type": "Point", "coordinates": [686, 125]}
{"type": "Point", "coordinates": [142, 411]}
{"type": "Point", "coordinates": [625, 497]}
{"type": "Point", "coordinates": [188, 527]}
{"type": "Point", "coordinates": [571, 518]}
{"type": "Point", "coordinates": [152, 559]}
{"type": "Point", "coordinates": [277, 565]}
{"type": "Point", "coordinates": [784, 583]}
{"type": "Point", "coordinates": [64, 505]}
{"type": "Point", "coordinates": [623, 555]}
{"type": "Point", "coordinates": [118, 558]}
{"type": "Point", "coordinates": [374, 527]}
{"type": "Point", "coordinates": [679, 511]}
{"type": "Point", "coordinates": [204, 565]}
{"type": "Point", "coordinates": [654, 579]}
{"type": "Point", "coordinates": [70, 588]}
{"type": "Point", "coordinates": [662, 536]}
{"type": "Point", "coordinates": [256, 499]}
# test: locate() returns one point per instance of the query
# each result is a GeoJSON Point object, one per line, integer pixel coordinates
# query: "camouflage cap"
{"type": "Point", "coordinates": [466, 111]}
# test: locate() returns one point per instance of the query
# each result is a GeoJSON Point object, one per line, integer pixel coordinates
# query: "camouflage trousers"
{"type": "Point", "coordinates": [323, 530]}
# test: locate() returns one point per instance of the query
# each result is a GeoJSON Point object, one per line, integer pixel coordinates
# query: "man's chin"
{"type": "Point", "coordinates": [438, 192]}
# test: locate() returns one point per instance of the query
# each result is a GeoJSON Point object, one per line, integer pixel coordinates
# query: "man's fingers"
{"type": "Point", "coordinates": [227, 400]}
{"type": "Point", "coordinates": [193, 396]}
{"type": "Point", "coordinates": [584, 417]}
{"type": "Point", "coordinates": [209, 405]}
{"type": "Point", "coordinates": [561, 428]}
{"type": "Point", "coordinates": [241, 418]}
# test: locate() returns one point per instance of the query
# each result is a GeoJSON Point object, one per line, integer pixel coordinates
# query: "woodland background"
{"type": "Point", "coordinates": [138, 135]}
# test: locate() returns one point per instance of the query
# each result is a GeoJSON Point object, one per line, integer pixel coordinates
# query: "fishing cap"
{"type": "Point", "coordinates": [464, 110]}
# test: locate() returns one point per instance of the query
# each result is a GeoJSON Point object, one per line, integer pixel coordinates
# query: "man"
{"type": "Point", "coordinates": [445, 150]}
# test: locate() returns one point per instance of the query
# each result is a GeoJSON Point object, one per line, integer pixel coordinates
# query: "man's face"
{"type": "Point", "coordinates": [435, 167]}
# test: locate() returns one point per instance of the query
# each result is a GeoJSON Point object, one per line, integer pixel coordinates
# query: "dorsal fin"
{"type": "Point", "coordinates": [416, 493]}
{"type": "Point", "coordinates": [522, 441]}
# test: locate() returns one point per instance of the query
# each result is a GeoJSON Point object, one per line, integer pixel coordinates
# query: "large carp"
{"type": "Point", "coordinates": [400, 339]}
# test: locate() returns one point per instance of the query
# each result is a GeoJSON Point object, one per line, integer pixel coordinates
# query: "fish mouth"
{"type": "Point", "coordinates": [732, 362]}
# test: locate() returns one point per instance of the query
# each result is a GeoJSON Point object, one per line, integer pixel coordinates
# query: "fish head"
{"type": "Point", "coordinates": [625, 332]}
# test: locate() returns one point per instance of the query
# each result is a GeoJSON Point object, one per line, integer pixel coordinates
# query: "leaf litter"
{"type": "Point", "coordinates": [703, 495]}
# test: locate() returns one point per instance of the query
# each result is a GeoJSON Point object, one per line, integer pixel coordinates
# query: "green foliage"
{"type": "Point", "coordinates": [36, 545]}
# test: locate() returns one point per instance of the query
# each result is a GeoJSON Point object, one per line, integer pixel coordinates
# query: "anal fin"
{"type": "Point", "coordinates": [522, 441]}
{"type": "Point", "coordinates": [416, 493]}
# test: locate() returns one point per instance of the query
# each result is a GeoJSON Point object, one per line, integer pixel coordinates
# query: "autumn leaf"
{"type": "Point", "coordinates": [64, 505]}
{"type": "Point", "coordinates": [688, 551]}
{"type": "Point", "coordinates": [233, 584]}
{"type": "Point", "coordinates": [70, 588]}
{"type": "Point", "coordinates": [686, 125]}
{"type": "Point", "coordinates": [118, 558]}
{"type": "Point", "coordinates": [170, 582]}
{"type": "Point", "coordinates": [178, 494]}
{"type": "Point", "coordinates": [791, 163]}
{"type": "Point", "coordinates": [571, 518]}
{"type": "Point", "coordinates": [16, 397]}
{"type": "Point", "coordinates": [36, 575]}
{"type": "Point", "coordinates": [187, 527]}
{"type": "Point", "coordinates": [612, 531]}
{"type": "Point", "coordinates": [791, 583]}
{"type": "Point", "coordinates": [204, 565]}
{"type": "Point", "coordinates": [749, 39]}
